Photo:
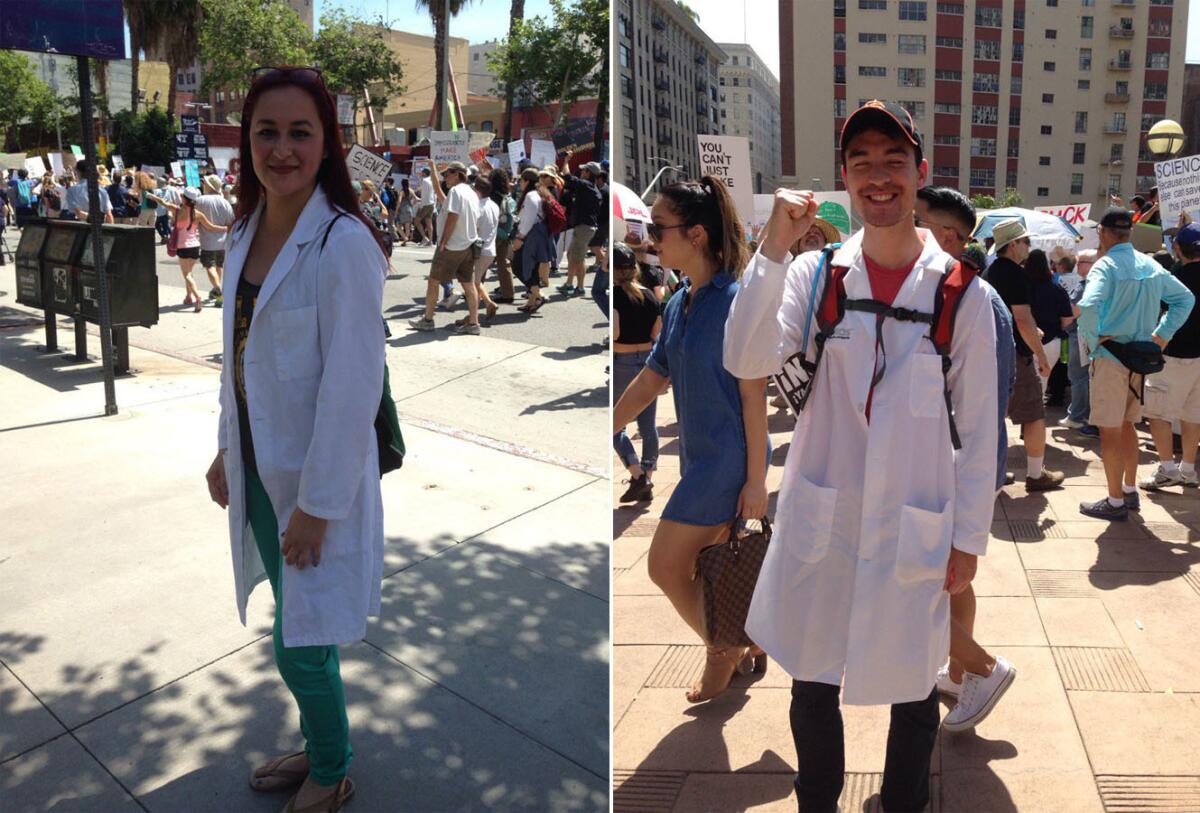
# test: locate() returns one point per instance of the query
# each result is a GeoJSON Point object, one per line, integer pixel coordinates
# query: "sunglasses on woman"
{"type": "Point", "coordinates": [656, 231]}
{"type": "Point", "coordinates": [304, 72]}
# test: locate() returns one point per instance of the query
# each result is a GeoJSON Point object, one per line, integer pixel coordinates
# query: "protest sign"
{"type": "Point", "coordinates": [833, 207]}
{"type": "Point", "coordinates": [189, 124]}
{"type": "Point", "coordinates": [222, 157]}
{"type": "Point", "coordinates": [501, 161]}
{"type": "Point", "coordinates": [578, 135]}
{"type": "Point", "coordinates": [446, 146]}
{"type": "Point", "coordinates": [118, 162]}
{"type": "Point", "coordinates": [1178, 182]}
{"type": "Point", "coordinates": [345, 107]}
{"type": "Point", "coordinates": [77, 151]}
{"type": "Point", "coordinates": [154, 170]}
{"type": "Point", "coordinates": [516, 153]}
{"type": "Point", "coordinates": [35, 166]}
{"type": "Point", "coordinates": [191, 173]}
{"type": "Point", "coordinates": [1074, 213]}
{"type": "Point", "coordinates": [541, 153]}
{"type": "Point", "coordinates": [56, 162]}
{"type": "Point", "coordinates": [728, 158]}
{"type": "Point", "coordinates": [366, 165]}
{"type": "Point", "coordinates": [176, 169]}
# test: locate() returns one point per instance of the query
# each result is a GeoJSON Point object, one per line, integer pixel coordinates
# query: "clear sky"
{"type": "Point", "coordinates": [479, 21]}
{"type": "Point", "coordinates": [727, 21]}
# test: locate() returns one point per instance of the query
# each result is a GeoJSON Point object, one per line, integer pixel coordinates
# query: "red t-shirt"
{"type": "Point", "coordinates": [885, 284]}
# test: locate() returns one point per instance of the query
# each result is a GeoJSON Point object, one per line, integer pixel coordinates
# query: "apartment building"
{"type": "Point", "coordinates": [665, 75]}
{"type": "Point", "coordinates": [1099, 74]}
{"type": "Point", "coordinates": [481, 80]}
{"type": "Point", "coordinates": [749, 106]}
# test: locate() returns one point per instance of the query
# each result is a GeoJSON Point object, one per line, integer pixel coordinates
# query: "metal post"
{"type": "Point", "coordinates": [446, 69]}
{"type": "Point", "coordinates": [51, 328]}
{"type": "Point", "coordinates": [94, 217]}
{"type": "Point", "coordinates": [121, 342]}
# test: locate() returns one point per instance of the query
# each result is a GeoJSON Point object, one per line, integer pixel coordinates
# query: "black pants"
{"type": "Point", "coordinates": [821, 750]}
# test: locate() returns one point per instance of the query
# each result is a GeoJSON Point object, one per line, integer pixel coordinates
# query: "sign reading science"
{"type": "Point", "coordinates": [1178, 182]}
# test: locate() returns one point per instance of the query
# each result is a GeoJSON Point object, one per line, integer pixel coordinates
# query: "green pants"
{"type": "Point", "coordinates": [312, 673]}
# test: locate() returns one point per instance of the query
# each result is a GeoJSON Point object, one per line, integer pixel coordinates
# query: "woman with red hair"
{"type": "Point", "coordinates": [297, 464]}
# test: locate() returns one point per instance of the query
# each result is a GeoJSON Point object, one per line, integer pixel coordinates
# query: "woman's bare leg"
{"type": "Point", "coordinates": [965, 653]}
{"type": "Point", "coordinates": [672, 563]}
{"type": "Point", "coordinates": [185, 268]}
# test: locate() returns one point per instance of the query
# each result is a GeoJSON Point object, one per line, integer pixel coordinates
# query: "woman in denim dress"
{"type": "Point", "coordinates": [723, 440]}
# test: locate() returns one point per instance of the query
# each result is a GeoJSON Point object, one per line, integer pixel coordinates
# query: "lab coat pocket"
{"type": "Point", "coordinates": [297, 343]}
{"type": "Point", "coordinates": [927, 388]}
{"type": "Point", "coordinates": [924, 545]}
{"type": "Point", "coordinates": [809, 520]}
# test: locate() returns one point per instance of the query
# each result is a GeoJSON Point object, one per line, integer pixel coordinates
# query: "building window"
{"type": "Point", "coordinates": [1010, 179]}
{"type": "Point", "coordinates": [950, 8]}
{"type": "Point", "coordinates": [872, 70]}
{"type": "Point", "coordinates": [911, 44]}
{"type": "Point", "coordinates": [1043, 160]}
{"type": "Point", "coordinates": [1019, 19]}
{"type": "Point", "coordinates": [630, 153]}
{"type": "Point", "coordinates": [950, 42]}
{"type": "Point", "coordinates": [839, 108]}
{"type": "Point", "coordinates": [622, 25]}
{"type": "Point", "coordinates": [1084, 84]}
{"type": "Point", "coordinates": [1085, 59]}
{"type": "Point", "coordinates": [1076, 183]}
{"type": "Point", "coordinates": [1018, 52]}
{"type": "Point", "coordinates": [1043, 191]}
{"type": "Point", "coordinates": [1014, 116]}
{"type": "Point", "coordinates": [868, 39]}
{"type": "Point", "coordinates": [872, 5]}
{"type": "Point", "coordinates": [1047, 98]}
{"type": "Point", "coordinates": [946, 171]}
{"type": "Point", "coordinates": [1158, 60]}
{"type": "Point", "coordinates": [947, 140]}
{"type": "Point", "coordinates": [911, 77]}
{"type": "Point", "coordinates": [1122, 88]}
{"type": "Point", "coordinates": [839, 41]}
{"type": "Point", "coordinates": [983, 147]}
{"type": "Point", "coordinates": [622, 55]}
{"type": "Point", "coordinates": [1114, 184]}
{"type": "Point", "coordinates": [1048, 67]}
{"type": "Point", "coordinates": [1017, 85]}
{"type": "Point", "coordinates": [949, 76]}
{"type": "Point", "coordinates": [915, 109]}
{"type": "Point", "coordinates": [983, 176]}
{"type": "Point", "coordinates": [839, 74]}
{"type": "Point", "coordinates": [626, 86]}
{"type": "Point", "coordinates": [987, 49]}
{"type": "Point", "coordinates": [989, 17]}
{"type": "Point", "coordinates": [912, 9]}
{"type": "Point", "coordinates": [1155, 90]}
{"type": "Point", "coordinates": [1051, 34]}
{"type": "Point", "coordinates": [839, 8]}
{"type": "Point", "coordinates": [1087, 26]}
{"type": "Point", "coordinates": [1116, 153]}
{"type": "Point", "coordinates": [984, 114]}
{"type": "Point", "coordinates": [1148, 120]}
{"type": "Point", "coordinates": [1162, 3]}
{"type": "Point", "coordinates": [1081, 121]}
{"type": "Point", "coordinates": [986, 83]}
{"type": "Point", "coordinates": [1047, 129]}
{"type": "Point", "coordinates": [1014, 151]}
{"type": "Point", "coordinates": [947, 107]}
{"type": "Point", "coordinates": [1052, 3]}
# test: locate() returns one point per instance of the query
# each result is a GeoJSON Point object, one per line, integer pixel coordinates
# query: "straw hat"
{"type": "Point", "coordinates": [1007, 231]}
{"type": "Point", "coordinates": [213, 183]}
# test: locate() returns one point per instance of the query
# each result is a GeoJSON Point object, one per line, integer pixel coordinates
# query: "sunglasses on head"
{"type": "Point", "coordinates": [304, 72]}
{"type": "Point", "coordinates": [656, 230]}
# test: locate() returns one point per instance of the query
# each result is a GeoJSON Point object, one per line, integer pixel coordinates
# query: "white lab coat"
{"type": "Point", "coordinates": [313, 368]}
{"type": "Point", "coordinates": [867, 514]}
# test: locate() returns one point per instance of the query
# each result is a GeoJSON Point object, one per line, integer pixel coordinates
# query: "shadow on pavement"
{"type": "Point", "coordinates": [575, 352]}
{"type": "Point", "coordinates": [592, 398]}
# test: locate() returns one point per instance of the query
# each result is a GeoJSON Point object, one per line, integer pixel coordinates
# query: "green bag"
{"type": "Point", "coordinates": [388, 436]}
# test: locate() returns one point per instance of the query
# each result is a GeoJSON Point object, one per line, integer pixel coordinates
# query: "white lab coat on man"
{"type": "Point", "coordinates": [867, 514]}
{"type": "Point", "coordinates": [313, 369]}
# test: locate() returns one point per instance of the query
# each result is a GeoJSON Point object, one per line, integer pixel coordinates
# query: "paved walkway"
{"type": "Point", "coordinates": [1102, 622]}
{"type": "Point", "coordinates": [126, 680]}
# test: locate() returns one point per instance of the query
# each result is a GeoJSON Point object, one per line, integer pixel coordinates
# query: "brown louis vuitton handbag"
{"type": "Point", "coordinates": [729, 571]}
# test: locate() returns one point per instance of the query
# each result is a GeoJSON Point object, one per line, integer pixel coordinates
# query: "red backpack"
{"type": "Point", "coordinates": [834, 304]}
{"type": "Point", "coordinates": [555, 215]}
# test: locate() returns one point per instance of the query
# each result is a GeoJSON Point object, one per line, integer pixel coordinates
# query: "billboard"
{"type": "Point", "coordinates": [94, 28]}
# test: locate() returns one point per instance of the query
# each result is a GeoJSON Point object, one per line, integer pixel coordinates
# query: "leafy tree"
{"type": "Point", "coordinates": [517, 14]}
{"type": "Point", "coordinates": [148, 22]}
{"type": "Point", "coordinates": [983, 202]}
{"type": "Point", "coordinates": [689, 11]}
{"type": "Point", "coordinates": [145, 138]}
{"type": "Point", "coordinates": [237, 36]}
{"type": "Point", "coordinates": [441, 42]}
{"type": "Point", "coordinates": [354, 56]}
{"type": "Point", "coordinates": [535, 64]}
{"type": "Point", "coordinates": [1011, 197]}
{"type": "Point", "coordinates": [180, 41]}
{"type": "Point", "coordinates": [23, 96]}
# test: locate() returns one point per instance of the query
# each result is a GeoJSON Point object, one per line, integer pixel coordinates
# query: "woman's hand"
{"type": "Point", "coordinates": [516, 244]}
{"type": "Point", "coordinates": [218, 487]}
{"type": "Point", "coordinates": [303, 539]}
{"type": "Point", "coordinates": [752, 502]}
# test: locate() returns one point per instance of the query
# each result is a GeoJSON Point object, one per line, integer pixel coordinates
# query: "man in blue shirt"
{"type": "Point", "coordinates": [1122, 303]}
{"type": "Point", "coordinates": [77, 196]}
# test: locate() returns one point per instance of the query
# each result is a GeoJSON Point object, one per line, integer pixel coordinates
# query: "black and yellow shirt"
{"type": "Point", "coordinates": [247, 295]}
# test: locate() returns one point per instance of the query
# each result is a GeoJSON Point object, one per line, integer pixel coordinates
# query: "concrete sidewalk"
{"type": "Point", "coordinates": [127, 682]}
{"type": "Point", "coordinates": [1102, 622]}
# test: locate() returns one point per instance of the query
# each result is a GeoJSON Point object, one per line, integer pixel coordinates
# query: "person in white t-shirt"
{"type": "Point", "coordinates": [457, 248]}
{"type": "Point", "coordinates": [486, 225]}
{"type": "Point", "coordinates": [425, 210]}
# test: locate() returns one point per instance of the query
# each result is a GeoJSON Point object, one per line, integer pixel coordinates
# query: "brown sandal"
{"type": "Point", "coordinates": [272, 776]}
{"type": "Point", "coordinates": [330, 804]}
{"type": "Point", "coordinates": [726, 661]}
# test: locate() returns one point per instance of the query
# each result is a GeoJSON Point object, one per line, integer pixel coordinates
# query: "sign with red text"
{"type": "Point", "coordinates": [1074, 213]}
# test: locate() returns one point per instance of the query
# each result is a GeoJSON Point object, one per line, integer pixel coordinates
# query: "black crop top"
{"type": "Point", "coordinates": [637, 318]}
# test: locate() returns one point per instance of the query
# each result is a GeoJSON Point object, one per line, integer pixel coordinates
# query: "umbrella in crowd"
{"type": "Point", "coordinates": [1045, 230]}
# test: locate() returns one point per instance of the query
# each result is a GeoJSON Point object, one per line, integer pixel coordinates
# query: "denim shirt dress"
{"type": "Point", "coordinates": [708, 404]}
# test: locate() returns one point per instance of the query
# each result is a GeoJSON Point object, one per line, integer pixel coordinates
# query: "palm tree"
{"type": "Point", "coordinates": [148, 20]}
{"type": "Point", "coordinates": [441, 42]}
{"type": "Point", "coordinates": [518, 14]}
{"type": "Point", "coordinates": [180, 39]}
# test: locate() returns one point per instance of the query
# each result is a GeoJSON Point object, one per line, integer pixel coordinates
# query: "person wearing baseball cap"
{"type": "Point", "coordinates": [1174, 393]}
{"type": "Point", "coordinates": [583, 220]}
{"type": "Point", "coordinates": [1120, 314]}
{"type": "Point", "coordinates": [843, 598]}
{"type": "Point", "coordinates": [454, 257]}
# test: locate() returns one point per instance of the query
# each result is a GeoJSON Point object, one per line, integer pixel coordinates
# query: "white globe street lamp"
{"type": "Point", "coordinates": [1165, 138]}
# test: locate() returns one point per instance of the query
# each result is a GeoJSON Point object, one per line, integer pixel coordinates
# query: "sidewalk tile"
{"type": "Point", "coordinates": [1139, 734]}
{"type": "Point", "coordinates": [627, 550]}
{"type": "Point", "coordinates": [1000, 572]}
{"type": "Point", "coordinates": [753, 793]}
{"type": "Point", "coordinates": [24, 722]}
{"type": "Point", "coordinates": [632, 665]}
{"type": "Point", "coordinates": [60, 776]}
{"type": "Point", "coordinates": [191, 747]}
{"type": "Point", "coordinates": [1006, 621]}
{"type": "Point", "coordinates": [1135, 794]}
{"type": "Point", "coordinates": [983, 789]}
{"type": "Point", "coordinates": [635, 582]}
{"type": "Point", "coordinates": [649, 620]}
{"type": "Point", "coordinates": [1078, 622]}
{"type": "Point", "coordinates": [1108, 553]}
{"type": "Point", "coordinates": [529, 650]}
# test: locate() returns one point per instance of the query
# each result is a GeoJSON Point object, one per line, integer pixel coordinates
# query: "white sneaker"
{"type": "Point", "coordinates": [444, 302]}
{"type": "Point", "coordinates": [979, 696]}
{"type": "Point", "coordinates": [946, 684]}
{"type": "Point", "coordinates": [1070, 424]}
{"type": "Point", "coordinates": [453, 300]}
{"type": "Point", "coordinates": [1190, 480]}
{"type": "Point", "coordinates": [1162, 478]}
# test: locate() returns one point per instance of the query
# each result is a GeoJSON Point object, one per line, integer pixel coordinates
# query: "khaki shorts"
{"type": "Point", "coordinates": [1113, 391]}
{"type": "Point", "coordinates": [580, 237]}
{"type": "Point", "coordinates": [1175, 392]}
{"type": "Point", "coordinates": [453, 265]}
{"type": "Point", "coordinates": [1026, 404]}
{"type": "Point", "coordinates": [424, 212]}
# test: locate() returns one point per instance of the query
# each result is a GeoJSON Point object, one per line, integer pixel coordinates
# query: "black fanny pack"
{"type": "Point", "coordinates": [1143, 358]}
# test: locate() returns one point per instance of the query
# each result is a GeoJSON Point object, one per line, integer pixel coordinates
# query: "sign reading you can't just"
{"type": "Point", "coordinates": [728, 158]}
